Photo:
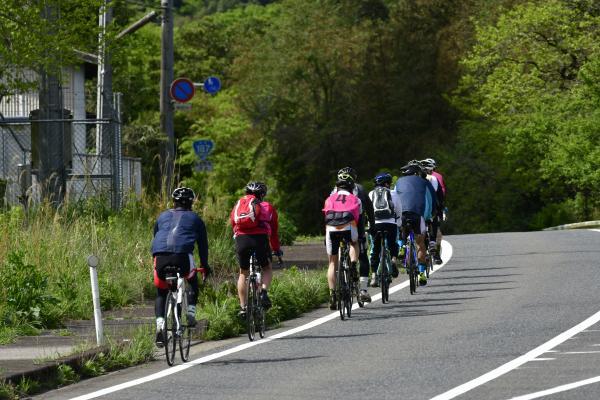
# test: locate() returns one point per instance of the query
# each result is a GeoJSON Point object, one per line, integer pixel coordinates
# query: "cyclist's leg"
{"type": "Point", "coordinates": [161, 297]}
{"type": "Point", "coordinates": [391, 237]}
{"type": "Point", "coordinates": [243, 248]}
{"type": "Point", "coordinates": [263, 256]}
{"type": "Point", "coordinates": [332, 244]}
{"type": "Point", "coordinates": [438, 240]}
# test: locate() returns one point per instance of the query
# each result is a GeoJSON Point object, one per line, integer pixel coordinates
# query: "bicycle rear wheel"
{"type": "Point", "coordinates": [412, 269]}
{"type": "Point", "coordinates": [385, 277]}
{"type": "Point", "coordinates": [185, 339]}
{"type": "Point", "coordinates": [347, 293]}
{"type": "Point", "coordinates": [170, 329]}
{"type": "Point", "coordinates": [260, 319]}
{"type": "Point", "coordinates": [251, 300]}
{"type": "Point", "coordinates": [340, 289]}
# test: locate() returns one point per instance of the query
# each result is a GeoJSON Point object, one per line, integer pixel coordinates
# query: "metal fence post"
{"type": "Point", "coordinates": [117, 157]}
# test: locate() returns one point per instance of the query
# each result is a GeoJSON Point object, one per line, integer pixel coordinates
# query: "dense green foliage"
{"type": "Point", "coordinates": [503, 95]}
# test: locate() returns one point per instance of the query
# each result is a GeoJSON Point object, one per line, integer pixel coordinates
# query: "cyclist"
{"type": "Point", "coordinates": [387, 208]}
{"type": "Point", "coordinates": [366, 216]}
{"type": "Point", "coordinates": [176, 231]}
{"type": "Point", "coordinates": [342, 211]}
{"type": "Point", "coordinates": [441, 214]}
{"type": "Point", "coordinates": [418, 201]}
{"type": "Point", "coordinates": [255, 229]}
{"type": "Point", "coordinates": [434, 223]}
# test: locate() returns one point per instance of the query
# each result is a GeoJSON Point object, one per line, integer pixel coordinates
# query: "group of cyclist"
{"type": "Point", "coordinates": [416, 200]}
{"type": "Point", "coordinates": [350, 212]}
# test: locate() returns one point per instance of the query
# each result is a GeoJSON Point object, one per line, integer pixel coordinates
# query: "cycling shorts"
{"type": "Point", "coordinates": [246, 244]}
{"type": "Point", "coordinates": [416, 221]}
{"type": "Point", "coordinates": [334, 235]}
{"type": "Point", "coordinates": [184, 261]}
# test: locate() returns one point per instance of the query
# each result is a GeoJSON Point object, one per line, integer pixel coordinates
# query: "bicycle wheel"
{"type": "Point", "coordinates": [185, 339]}
{"type": "Point", "coordinates": [170, 329]}
{"type": "Point", "coordinates": [260, 318]}
{"type": "Point", "coordinates": [412, 269]}
{"type": "Point", "coordinates": [384, 279]}
{"type": "Point", "coordinates": [347, 293]}
{"type": "Point", "coordinates": [340, 288]}
{"type": "Point", "coordinates": [251, 298]}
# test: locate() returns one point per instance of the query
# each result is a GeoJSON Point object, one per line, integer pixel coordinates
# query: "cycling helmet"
{"type": "Point", "coordinates": [432, 161]}
{"type": "Point", "coordinates": [258, 189]}
{"type": "Point", "coordinates": [183, 196]}
{"type": "Point", "coordinates": [411, 169]}
{"type": "Point", "coordinates": [346, 184]}
{"type": "Point", "coordinates": [383, 179]}
{"type": "Point", "coordinates": [427, 165]}
{"type": "Point", "coordinates": [346, 172]}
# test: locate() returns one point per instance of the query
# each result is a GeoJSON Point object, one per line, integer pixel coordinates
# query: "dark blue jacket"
{"type": "Point", "coordinates": [177, 230]}
{"type": "Point", "coordinates": [417, 195]}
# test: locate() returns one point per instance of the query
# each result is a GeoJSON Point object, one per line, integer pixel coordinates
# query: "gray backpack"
{"type": "Point", "coordinates": [382, 203]}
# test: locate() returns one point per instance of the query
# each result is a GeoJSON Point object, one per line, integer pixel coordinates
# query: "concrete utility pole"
{"type": "Point", "coordinates": [166, 106]}
{"type": "Point", "coordinates": [48, 142]}
{"type": "Point", "coordinates": [104, 97]}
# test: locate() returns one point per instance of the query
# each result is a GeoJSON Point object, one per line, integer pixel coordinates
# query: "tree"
{"type": "Point", "coordinates": [27, 45]}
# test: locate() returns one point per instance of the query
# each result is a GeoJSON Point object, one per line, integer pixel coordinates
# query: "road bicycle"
{"type": "Point", "coordinates": [343, 280]}
{"type": "Point", "coordinates": [176, 328]}
{"type": "Point", "coordinates": [255, 312]}
{"type": "Point", "coordinates": [410, 262]}
{"type": "Point", "coordinates": [384, 269]}
{"type": "Point", "coordinates": [429, 251]}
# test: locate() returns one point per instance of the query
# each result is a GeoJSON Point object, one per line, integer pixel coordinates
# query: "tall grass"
{"type": "Point", "coordinates": [55, 245]}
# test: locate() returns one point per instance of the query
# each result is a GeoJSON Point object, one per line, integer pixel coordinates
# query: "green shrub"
{"type": "Point", "coordinates": [65, 375]}
{"type": "Point", "coordinates": [24, 290]}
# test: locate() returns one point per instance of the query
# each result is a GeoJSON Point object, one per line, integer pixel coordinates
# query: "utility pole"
{"type": "Point", "coordinates": [166, 106]}
{"type": "Point", "coordinates": [105, 92]}
{"type": "Point", "coordinates": [48, 140]}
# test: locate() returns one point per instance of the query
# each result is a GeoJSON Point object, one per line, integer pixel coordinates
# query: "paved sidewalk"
{"type": "Point", "coordinates": [34, 356]}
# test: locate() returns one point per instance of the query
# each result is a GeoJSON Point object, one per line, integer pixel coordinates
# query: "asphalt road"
{"type": "Point", "coordinates": [499, 297]}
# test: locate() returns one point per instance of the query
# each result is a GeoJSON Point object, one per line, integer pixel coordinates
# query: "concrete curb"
{"type": "Point", "coordinates": [576, 225]}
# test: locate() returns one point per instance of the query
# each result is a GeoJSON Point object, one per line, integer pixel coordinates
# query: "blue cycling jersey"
{"type": "Point", "coordinates": [177, 231]}
{"type": "Point", "coordinates": [417, 195]}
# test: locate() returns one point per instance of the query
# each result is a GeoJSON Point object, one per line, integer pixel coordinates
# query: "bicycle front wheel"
{"type": "Point", "coordinates": [251, 303]}
{"type": "Point", "coordinates": [185, 339]}
{"type": "Point", "coordinates": [170, 329]}
{"type": "Point", "coordinates": [261, 319]}
{"type": "Point", "coordinates": [340, 290]}
{"type": "Point", "coordinates": [347, 293]}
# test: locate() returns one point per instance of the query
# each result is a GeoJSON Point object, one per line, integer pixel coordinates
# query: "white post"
{"type": "Point", "coordinates": [93, 263]}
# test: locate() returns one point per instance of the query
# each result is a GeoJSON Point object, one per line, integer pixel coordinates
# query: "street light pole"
{"type": "Point", "coordinates": [166, 106]}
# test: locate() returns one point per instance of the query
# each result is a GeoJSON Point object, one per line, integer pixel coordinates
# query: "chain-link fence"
{"type": "Point", "coordinates": [89, 163]}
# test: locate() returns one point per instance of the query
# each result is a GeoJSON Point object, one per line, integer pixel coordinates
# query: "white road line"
{"type": "Point", "coordinates": [517, 362]}
{"type": "Point", "coordinates": [446, 255]}
{"type": "Point", "coordinates": [543, 359]}
{"type": "Point", "coordinates": [558, 389]}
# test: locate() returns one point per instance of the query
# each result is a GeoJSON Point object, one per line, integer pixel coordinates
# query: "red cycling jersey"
{"type": "Point", "coordinates": [268, 225]}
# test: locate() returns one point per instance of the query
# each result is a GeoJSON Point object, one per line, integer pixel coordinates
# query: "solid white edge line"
{"type": "Point", "coordinates": [517, 362]}
{"type": "Point", "coordinates": [446, 255]}
{"type": "Point", "coordinates": [558, 389]}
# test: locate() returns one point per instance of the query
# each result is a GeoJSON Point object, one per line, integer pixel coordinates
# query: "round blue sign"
{"type": "Point", "coordinates": [182, 90]}
{"type": "Point", "coordinates": [212, 84]}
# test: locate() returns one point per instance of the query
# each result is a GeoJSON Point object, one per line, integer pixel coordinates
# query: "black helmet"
{"type": "Point", "coordinates": [258, 189]}
{"type": "Point", "coordinates": [183, 196]}
{"type": "Point", "coordinates": [411, 169]}
{"type": "Point", "coordinates": [346, 172]}
{"type": "Point", "coordinates": [347, 184]}
{"type": "Point", "coordinates": [383, 179]}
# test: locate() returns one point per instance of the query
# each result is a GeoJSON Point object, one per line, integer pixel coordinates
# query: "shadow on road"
{"type": "Point", "coordinates": [257, 361]}
{"type": "Point", "coordinates": [440, 278]}
{"type": "Point", "coordinates": [329, 336]}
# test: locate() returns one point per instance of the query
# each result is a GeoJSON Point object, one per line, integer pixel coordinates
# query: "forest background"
{"type": "Point", "coordinates": [503, 94]}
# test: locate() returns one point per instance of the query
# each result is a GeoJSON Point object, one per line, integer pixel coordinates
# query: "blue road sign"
{"type": "Point", "coordinates": [202, 148]}
{"type": "Point", "coordinates": [182, 90]}
{"type": "Point", "coordinates": [212, 84]}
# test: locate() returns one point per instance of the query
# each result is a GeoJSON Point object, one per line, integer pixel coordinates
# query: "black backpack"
{"type": "Point", "coordinates": [382, 203]}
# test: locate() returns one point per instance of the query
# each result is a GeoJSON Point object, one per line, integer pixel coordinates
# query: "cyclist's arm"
{"type": "Point", "coordinates": [274, 238]}
{"type": "Point", "coordinates": [397, 207]}
{"type": "Point", "coordinates": [367, 206]}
